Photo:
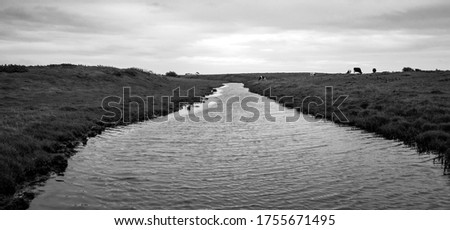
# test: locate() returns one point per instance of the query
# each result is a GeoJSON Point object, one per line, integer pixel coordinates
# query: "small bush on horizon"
{"type": "Point", "coordinates": [141, 70]}
{"type": "Point", "coordinates": [64, 65]}
{"type": "Point", "coordinates": [408, 69]}
{"type": "Point", "coordinates": [171, 74]}
{"type": "Point", "coordinates": [130, 71]}
{"type": "Point", "coordinates": [68, 65]}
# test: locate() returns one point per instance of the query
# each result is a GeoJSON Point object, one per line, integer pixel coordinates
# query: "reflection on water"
{"type": "Point", "coordinates": [244, 165]}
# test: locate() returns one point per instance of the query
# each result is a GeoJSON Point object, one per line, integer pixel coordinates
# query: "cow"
{"type": "Point", "coordinates": [374, 70]}
{"type": "Point", "coordinates": [312, 74]}
{"type": "Point", "coordinates": [261, 78]}
{"type": "Point", "coordinates": [357, 70]}
{"type": "Point", "coordinates": [349, 72]}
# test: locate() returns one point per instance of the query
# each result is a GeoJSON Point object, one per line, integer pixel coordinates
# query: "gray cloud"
{"type": "Point", "coordinates": [426, 18]}
{"type": "Point", "coordinates": [222, 36]}
{"type": "Point", "coordinates": [235, 15]}
{"type": "Point", "coordinates": [45, 17]}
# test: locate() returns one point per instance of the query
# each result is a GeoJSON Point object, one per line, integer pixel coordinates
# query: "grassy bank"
{"type": "Point", "coordinates": [46, 111]}
{"type": "Point", "coordinates": [413, 107]}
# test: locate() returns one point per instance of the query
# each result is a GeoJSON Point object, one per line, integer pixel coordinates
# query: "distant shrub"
{"type": "Point", "coordinates": [68, 65]}
{"type": "Point", "coordinates": [130, 71]}
{"type": "Point", "coordinates": [54, 65]}
{"type": "Point", "coordinates": [13, 68]}
{"type": "Point", "coordinates": [171, 74]}
{"type": "Point", "coordinates": [141, 70]}
{"type": "Point", "coordinates": [418, 70]}
{"type": "Point", "coordinates": [408, 69]}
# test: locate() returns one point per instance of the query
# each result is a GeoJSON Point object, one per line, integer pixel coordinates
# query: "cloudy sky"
{"type": "Point", "coordinates": [228, 36]}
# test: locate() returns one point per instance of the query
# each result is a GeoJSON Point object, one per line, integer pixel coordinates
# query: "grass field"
{"type": "Point", "coordinates": [46, 111]}
{"type": "Point", "coordinates": [413, 107]}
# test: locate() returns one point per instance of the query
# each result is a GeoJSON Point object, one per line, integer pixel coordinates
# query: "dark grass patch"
{"type": "Point", "coordinates": [433, 140]}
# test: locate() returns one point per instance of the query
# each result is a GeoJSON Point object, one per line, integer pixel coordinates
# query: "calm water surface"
{"type": "Point", "coordinates": [244, 165]}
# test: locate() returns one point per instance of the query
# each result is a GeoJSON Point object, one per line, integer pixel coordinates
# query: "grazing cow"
{"type": "Point", "coordinates": [261, 78]}
{"type": "Point", "coordinates": [357, 70]}
{"type": "Point", "coordinates": [312, 74]}
{"type": "Point", "coordinates": [374, 70]}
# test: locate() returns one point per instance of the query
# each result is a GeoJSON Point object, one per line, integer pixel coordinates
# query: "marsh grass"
{"type": "Point", "coordinates": [48, 110]}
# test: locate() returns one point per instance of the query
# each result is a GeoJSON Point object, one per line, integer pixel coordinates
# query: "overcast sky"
{"type": "Point", "coordinates": [228, 36]}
